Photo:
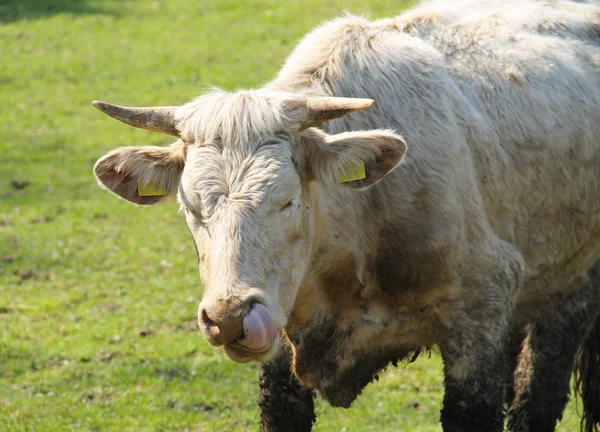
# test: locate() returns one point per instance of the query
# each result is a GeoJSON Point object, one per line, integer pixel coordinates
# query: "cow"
{"type": "Point", "coordinates": [425, 180]}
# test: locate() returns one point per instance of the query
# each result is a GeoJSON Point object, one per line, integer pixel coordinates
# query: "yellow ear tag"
{"type": "Point", "coordinates": [150, 190]}
{"type": "Point", "coordinates": [353, 173]}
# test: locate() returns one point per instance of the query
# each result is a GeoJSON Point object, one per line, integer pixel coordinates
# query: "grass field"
{"type": "Point", "coordinates": [97, 296]}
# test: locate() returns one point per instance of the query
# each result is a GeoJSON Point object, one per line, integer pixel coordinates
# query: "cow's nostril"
{"type": "Point", "coordinates": [206, 320]}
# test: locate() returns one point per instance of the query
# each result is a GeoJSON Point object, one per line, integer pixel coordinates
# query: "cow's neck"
{"type": "Point", "coordinates": [337, 275]}
{"type": "Point", "coordinates": [342, 325]}
{"type": "Point", "coordinates": [340, 231]}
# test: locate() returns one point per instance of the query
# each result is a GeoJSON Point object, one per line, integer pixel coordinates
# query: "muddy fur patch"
{"type": "Point", "coordinates": [321, 362]}
{"type": "Point", "coordinates": [285, 405]}
{"type": "Point", "coordinates": [475, 403]}
{"type": "Point", "coordinates": [401, 269]}
{"type": "Point", "coordinates": [543, 368]}
{"type": "Point", "coordinates": [587, 380]}
{"type": "Point", "coordinates": [587, 364]}
{"type": "Point", "coordinates": [348, 385]}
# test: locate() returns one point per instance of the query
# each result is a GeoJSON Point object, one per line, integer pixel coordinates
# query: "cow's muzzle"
{"type": "Point", "coordinates": [247, 331]}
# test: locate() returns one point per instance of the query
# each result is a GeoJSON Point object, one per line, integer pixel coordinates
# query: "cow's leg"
{"type": "Point", "coordinates": [475, 343]}
{"type": "Point", "coordinates": [474, 385]}
{"type": "Point", "coordinates": [543, 372]}
{"type": "Point", "coordinates": [285, 405]}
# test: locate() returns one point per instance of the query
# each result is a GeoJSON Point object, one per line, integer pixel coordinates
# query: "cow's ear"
{"type": "Point", "coordinates": [143, 175]}
{"type": "Point", "coordinates": [353, 159]}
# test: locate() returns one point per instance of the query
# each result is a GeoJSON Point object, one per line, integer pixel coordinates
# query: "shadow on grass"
{"type": "Point", "coordinates": [22, 10]}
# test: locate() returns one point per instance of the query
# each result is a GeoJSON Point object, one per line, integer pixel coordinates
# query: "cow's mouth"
{"type": "Point", "coordinates": [242, 354]}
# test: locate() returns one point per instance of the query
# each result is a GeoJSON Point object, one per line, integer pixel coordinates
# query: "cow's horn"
{"type": "Point", "coordinates": [322, 109]}
{"type": "Point", "coordinates": [158, 119]}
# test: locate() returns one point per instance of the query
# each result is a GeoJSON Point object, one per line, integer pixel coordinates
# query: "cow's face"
{"type": "Point", "coordinates": [245, 172]}
{"type": "Point", "coordinates": [249, 211]}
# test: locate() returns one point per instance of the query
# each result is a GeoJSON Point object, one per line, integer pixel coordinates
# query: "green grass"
{"type": "Point", "coordinates": [98, 297]}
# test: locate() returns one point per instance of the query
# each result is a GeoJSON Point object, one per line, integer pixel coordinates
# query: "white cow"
{"type": "Point", "coordinates": [312, 235]}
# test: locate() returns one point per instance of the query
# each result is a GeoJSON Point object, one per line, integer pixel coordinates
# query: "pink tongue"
{"type": "Point", "coordinates": [259, 328]}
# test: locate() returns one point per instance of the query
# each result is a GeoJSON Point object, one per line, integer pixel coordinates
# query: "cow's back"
{"type": "Point", "coordinates": [500, 107]}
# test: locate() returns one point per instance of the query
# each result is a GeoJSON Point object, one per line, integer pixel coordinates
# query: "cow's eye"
{"type": "Point", "coordinates": [287, 205]}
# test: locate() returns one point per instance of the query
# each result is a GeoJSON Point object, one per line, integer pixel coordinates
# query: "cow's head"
{"type": "Point", "coordinates": [244, 169]}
